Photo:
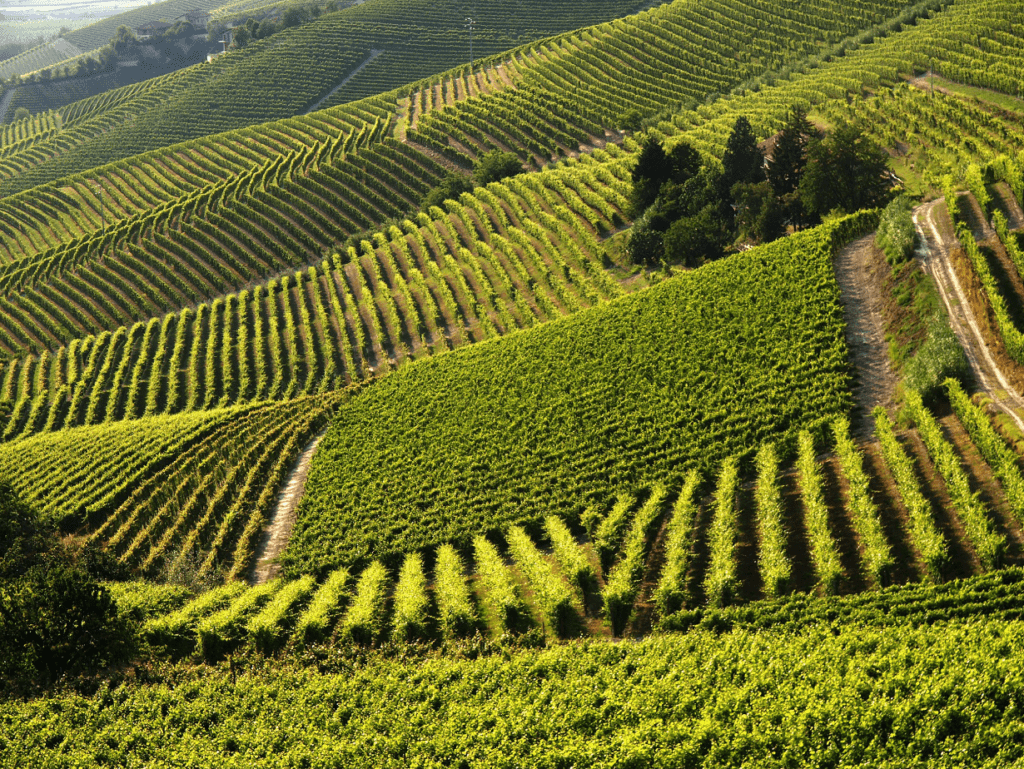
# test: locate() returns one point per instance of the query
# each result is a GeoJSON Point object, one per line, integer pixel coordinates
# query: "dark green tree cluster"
{"type": "Point", "coordinates": [686, 212]}
{"type": "Point", "coordinates": [56, 619]}
{"type": "Point", "coordinates": [813, 174]}
{"type": "Point", "coordinates": [683, 213]}
{"type": "Point", "coordinates": [490, 167]}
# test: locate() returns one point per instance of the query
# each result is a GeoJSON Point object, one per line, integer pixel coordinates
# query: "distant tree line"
{"type": "Point", "coordinates": [245, 32]}
{"type": "Point", "coordinates": [124, 45]}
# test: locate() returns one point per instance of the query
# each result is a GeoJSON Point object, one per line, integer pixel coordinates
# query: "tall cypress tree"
{"type": "Point", "coordinates": [652, 169]}
{"type": "Point", "coordinates": [743, 160]}
{"type": "Point", "coordinates": [790, 155]}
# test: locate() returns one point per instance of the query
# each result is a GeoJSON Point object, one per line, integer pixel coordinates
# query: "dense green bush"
{"type": "Point", "coordinates": [939, 358]}
{"type": "Point", "coordinates": [57, 620]}
{"type": "Point", "coordinates": [494, 166]}
{"type": "Point", "coordinates": [896, 235]}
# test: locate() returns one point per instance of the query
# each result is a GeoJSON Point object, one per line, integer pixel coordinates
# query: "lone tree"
{"type": "Point", "coordinates": [743, 161]}
{"type": "Point", "coordinates": [846, 171]}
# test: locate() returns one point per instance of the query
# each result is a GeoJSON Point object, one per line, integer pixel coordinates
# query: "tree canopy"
{"type": "Point", "coordinates": [846, 171]}
{"type": "Point", "coordinates": [743, 160]}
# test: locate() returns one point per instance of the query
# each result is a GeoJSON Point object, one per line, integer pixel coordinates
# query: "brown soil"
{"type": "Point", "coordinates": [645, 611]}
{"type": "Point", "coordinates": [847, 542]}
{"type": "Point", "coordinates": [1005, 201]}
{"type": "Point", "coordinates": [282, 520]}
{"type": "Point", "coordinates": [894, 517]}
{"type": "Point", "coordinates": [803, 578]}
{"type": "Point", "coordinates": [984, 483]}
{"type": "Point", "coordinates": [984, 317]}
{"type": "Point", "coordinates": [748, 574]}
{"type": "Point", "coordinates": [700, 554]}
{"type": "Point", "coordinates": [958, 285]}
{"type": "Point", "coordinates": [860, 270]}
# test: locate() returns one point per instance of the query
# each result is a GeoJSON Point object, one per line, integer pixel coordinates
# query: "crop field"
{"type": "Point", "coordinates": [593, 703]}
{"type": "Point", "coordinates": [363, 406]}
{"type": "Point", "coordinates": [918, 507]}
{"type": "Point", "coordinates": [103, 139]}
{"type": "Point", "coordinates": [483, 269]}
{"type": "Point", "coordinates": [530, 402]}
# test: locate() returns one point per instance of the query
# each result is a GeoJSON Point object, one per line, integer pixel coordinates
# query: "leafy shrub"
{"type": "Point", "coordinates": [494, 166]}
{"type": "Point", "coordinates": [57, 620]}
{"type": "Point", "coordinates": [940, 357]}
{"type": "Point", "coordinates": [896, 235]}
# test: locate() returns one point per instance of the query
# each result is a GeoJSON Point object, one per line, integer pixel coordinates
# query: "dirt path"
{"type": "Point", "coordinates": [282, 521]}
{"type": "Point", "coordinates": [861, 296]}
{"type": "Point", "coordinates": [374, 53]}
{"type": "Point", "coordinates": [934, 254]}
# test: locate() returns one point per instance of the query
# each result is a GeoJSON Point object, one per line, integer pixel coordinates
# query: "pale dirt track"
{"type": "Point", "coordinates": [934, 255]}
{"type": "Point", "coordinates": [282, 520]}
{"type": "Point", "coordinates": [861, 295]}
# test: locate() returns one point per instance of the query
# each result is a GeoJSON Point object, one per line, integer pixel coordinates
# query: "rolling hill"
{"type": "Point", "coordinates": [520, 445]}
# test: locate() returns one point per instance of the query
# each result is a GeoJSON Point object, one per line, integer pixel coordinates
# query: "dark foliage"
{"type": "Point", "coordinates": [694, 240]}
{"type": "Point", "coordinates": [790, 155]}
{"type": "Point", "coordinates": [846, 171]}
{"type": "Point", "coordinates": [743, 160]}
{"type": "Point", "coordinates": [495, 166]}
{"type": "Point", "coordinates": [450, 188]}
{"type": "Point", "coordinates": [55, 617]}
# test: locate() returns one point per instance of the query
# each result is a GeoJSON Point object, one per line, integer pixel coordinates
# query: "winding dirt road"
{"type": "Point", "coordinates": [934, 254]}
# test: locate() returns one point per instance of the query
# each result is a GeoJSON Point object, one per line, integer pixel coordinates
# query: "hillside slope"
{"type": "Point", "coordinates": [638, 390]}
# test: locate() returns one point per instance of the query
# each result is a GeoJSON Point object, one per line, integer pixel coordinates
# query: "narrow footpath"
{"type": "Point", "coordinates": [279, 528]}
{"type": "Point", "coordinates": [374, 53]}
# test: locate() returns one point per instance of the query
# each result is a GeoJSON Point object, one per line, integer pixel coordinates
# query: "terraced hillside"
{"type": "Point", "coordinates": [93, 314]}
{"type": "Point", "coordinates": [218, 252]}
{"type": "Point", "coordinates": [297, 69]}
{"type": "Point", "coordinates": [938, 502]}
{"type": "Point", "coordinates": [519, 438]}
{"type": "Point", "coordinates": [103, 139]}
{"type": "Point", "coordinates": [554, 418]}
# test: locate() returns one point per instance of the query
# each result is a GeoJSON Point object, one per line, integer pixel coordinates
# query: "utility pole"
{"type": "Point", "coordinates": [469, 26]}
